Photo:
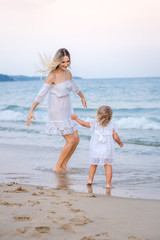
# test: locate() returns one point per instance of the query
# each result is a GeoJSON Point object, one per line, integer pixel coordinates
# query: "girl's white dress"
{"type": "Point", "coordinates": [59, 106]}
{"type": "Point", "coordinates": [101, 147]}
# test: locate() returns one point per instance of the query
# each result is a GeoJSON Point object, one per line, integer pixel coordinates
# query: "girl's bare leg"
{"type": "Point", "coordinates": [92, 171]}
{"type": "Point", "coordinates": [70, 143]}
{"type": "Point", "coordinates": [76, 141]}
{"type": "Point", "coordinates": [108, 171]}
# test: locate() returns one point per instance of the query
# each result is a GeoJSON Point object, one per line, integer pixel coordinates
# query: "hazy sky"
{"type": "Point", "coordinates": [106, 38]}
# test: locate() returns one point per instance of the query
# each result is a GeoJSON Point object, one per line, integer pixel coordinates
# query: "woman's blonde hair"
{"type": "Point", "coordinates": [51, 65]}
{"type": "Point", "coordinates": [104, 115]}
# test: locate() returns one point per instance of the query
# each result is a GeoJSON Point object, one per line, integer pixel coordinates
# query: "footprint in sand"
{"type": "Point", "coordinates": [67, 228]}
{"type": "Point", "coordinates": [53, 212]}
{"type": "Point", "coordinates": [43, 229]}
{"type": "Point", "coordinates": [133, 238]}
{"type": "Point", "coordinates": [20, 189]}
{"type": "Point", "coordinates": [17, 190]}
{"type": "Point", "coordinates": [41, 192]}
{"type": "Point", "coordinates": [88, 238]}
{"type": "Point", "coordinates": [76, 210]}
{"type": "Point", "coordinates": [10, 204]}
{"type": "Point", "coordinates": [80, 221]}
{"type": "Point", "coordinates": [11, 183]}
{"type": "Point", "coordinates": [39, 187]}
{"type": "Point", "coordinates": [22, 218]}
{"type": "Point", "coordinates": [101, 234]}
{"type": "Point", "coordinates": [33, 203]}
{"type": "Point", "coordinates": [22, 229]}
{"type": "Point", "coordinates": [35, 194]}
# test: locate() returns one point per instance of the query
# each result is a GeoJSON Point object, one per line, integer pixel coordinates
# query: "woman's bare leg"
{"type": "Point", "coordinates": [108, 170]}
{"type": "Point", "coordinates": [76, 141]}
{"type": "Point", "coordinates": [70, 143]}
{"type": "Point", "coordinates": [92, 171]}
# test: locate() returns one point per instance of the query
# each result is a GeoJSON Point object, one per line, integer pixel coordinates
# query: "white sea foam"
{"type": "Point", "coordinates": [137, 123]}
{"type": "Point", "coordinates": [134, 123]}
{"type": "Point", "coordinates": [10, 115]}
{"type": "Point", "coordinates": [123, 123]}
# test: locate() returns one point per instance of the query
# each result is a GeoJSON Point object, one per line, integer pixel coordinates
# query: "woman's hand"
{"type": "Point", "coordinates": [73, 116]}
{"type": "Point", "coordinates": [83, 100]}
{"type": "Point", "coordinates": [30, 116]}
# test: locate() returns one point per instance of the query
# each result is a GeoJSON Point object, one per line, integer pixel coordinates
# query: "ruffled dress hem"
{"type": "Point", "coordinates": [100, 161]}
{"type": "Point", "coordinates": [61, 127]}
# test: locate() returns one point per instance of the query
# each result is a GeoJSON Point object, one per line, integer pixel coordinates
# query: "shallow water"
{"type": "Point", "coordinates": [136, 110]}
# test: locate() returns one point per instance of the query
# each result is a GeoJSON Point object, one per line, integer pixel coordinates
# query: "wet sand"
{"type": "Point", "coordinates": [35, 212]}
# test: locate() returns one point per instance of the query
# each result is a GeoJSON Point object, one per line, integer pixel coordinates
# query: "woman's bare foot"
{"type": "Point", "coordinates": [59, 170]}
{"type": "Point", "coordinates": [89, 182]}
{"type": "Point", "coordinates": [109, 186]}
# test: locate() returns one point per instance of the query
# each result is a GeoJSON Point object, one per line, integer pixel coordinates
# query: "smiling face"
{"type": "Point", "coordinates": [65, 63]}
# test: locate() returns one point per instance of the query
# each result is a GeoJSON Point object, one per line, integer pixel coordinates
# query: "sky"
{"type": "Point", "coordinates": [106, 38]}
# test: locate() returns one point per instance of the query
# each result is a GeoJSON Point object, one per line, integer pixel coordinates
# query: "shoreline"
{"type": "Point", "coordinates": [29, 164]}
{"type": "Point", "coordinates": [37, 212]}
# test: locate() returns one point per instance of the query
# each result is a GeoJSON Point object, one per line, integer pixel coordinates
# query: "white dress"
{"type": "Point", "coordinates": [59, 106]}
{"type": "Point", "coordinates": [101, 147]}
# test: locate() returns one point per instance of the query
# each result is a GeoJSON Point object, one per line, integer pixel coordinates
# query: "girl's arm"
{"type": "Point", "coordinates": [81, 122]}
{"type": "Point", "coordinates": [117, 138]}
{"type": "Point", "coordinates": [49, 80]}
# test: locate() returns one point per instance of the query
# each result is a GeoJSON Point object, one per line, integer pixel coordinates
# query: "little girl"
{"type": "Point", "coordinates": [101, 143]}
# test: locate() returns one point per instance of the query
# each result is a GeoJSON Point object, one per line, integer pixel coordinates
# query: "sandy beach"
{"type": "Point", "coordinates": [35, 212]}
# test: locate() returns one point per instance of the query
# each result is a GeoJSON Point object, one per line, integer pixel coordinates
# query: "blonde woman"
{"type": "Point", "coordinates": [56, 88]}
{"type": "Point", "coordinates": [101, 143]}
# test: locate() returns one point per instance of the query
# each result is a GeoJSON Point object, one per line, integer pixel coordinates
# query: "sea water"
{"type": "Point", "coordinates": [136, 110]}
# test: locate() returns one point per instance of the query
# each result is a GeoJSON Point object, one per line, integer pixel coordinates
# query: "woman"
{"type": "Point", "coordinates": [57, 87]}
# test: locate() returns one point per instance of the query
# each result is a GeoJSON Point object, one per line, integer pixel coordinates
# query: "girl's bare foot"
{"type": "Point", "coordinates": [109, 186]}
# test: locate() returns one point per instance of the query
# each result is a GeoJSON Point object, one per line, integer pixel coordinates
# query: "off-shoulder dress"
{"type": "Point", "coordinates": [59, 106]}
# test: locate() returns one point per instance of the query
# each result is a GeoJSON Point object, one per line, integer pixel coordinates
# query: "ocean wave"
{"type": "Point", "coordinates": [143, 143]}
{"type": "Point", "coordinates": [18, 108]}
{"type": "Point", "coordinates": [10, 115]}
{"type": "Point", "coordinates": [138, 123]}
{"type": "Point", "coordinates": [16, 130]}
{"type": "Point", "coordinates": [14, 107]}
{"type": "Point", "coordinates": [19, 113]}
{"type": "Point", "coordinates": [91, 109]}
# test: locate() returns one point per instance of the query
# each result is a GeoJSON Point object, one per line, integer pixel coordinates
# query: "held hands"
{"type": "Point", "coordinates": [73, 116]}
{"type": "Point", "coordinates": [84, 102]}
{"type": "Point", "coordinates": [30, 116]}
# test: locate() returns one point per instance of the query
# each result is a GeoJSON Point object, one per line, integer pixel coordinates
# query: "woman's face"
{"type": "Point", "coordinates": [65, 63]}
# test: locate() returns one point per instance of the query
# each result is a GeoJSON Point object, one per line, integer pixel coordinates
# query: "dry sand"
{"type": "Point", "coordinates": [33, 212]}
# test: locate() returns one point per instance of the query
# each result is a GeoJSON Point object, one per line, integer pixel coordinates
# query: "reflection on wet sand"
{"type": "Point", "coordinates": [108, 191]}
{"type": "Point", "coordinates": [62, 180]}
{"type": "Point", "coordinates": [90, 189]}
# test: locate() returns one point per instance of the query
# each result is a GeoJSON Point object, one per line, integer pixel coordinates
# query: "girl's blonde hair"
{"type": "Point", "coordinates": [51, 65]}
{"type": "Point", "coordinates": [104, 115]}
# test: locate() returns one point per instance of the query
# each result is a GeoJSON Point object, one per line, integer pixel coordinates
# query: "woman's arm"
{"type": "Point", "coordinates": [117, 138]}
{"type": "Point", "coordinates": [30, 114]}
{"type": "Point", "coordinates": [81, 122]}
{"type": "Point", "coordinates": [43, 91]}
{"type": "Point", "coordinates": [77, 90]}
{"type": "Point", "coordinates": [83, 100]}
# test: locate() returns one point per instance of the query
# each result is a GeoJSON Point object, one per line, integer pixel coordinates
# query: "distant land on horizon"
{"type": "Point", "coordinates": [12, 78]}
